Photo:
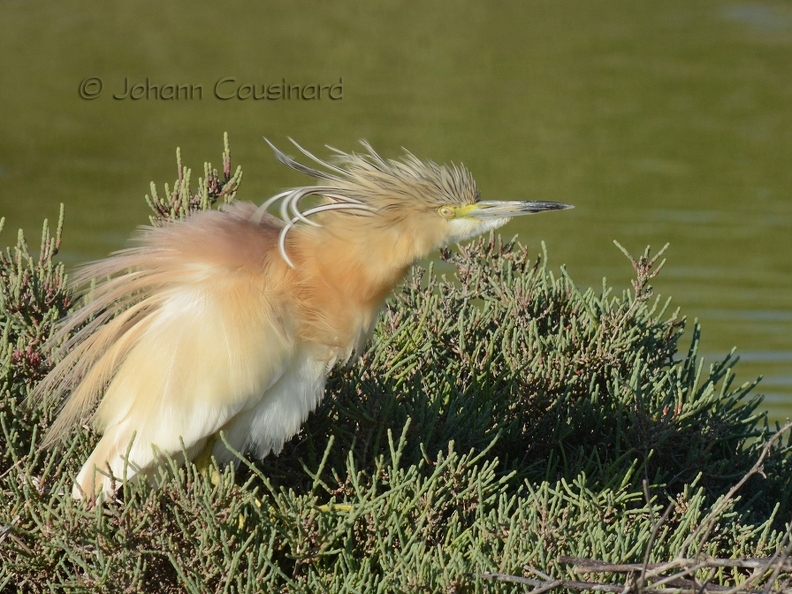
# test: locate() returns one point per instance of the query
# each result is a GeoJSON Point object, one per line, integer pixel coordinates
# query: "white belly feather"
{"type": "Point", "coordinates": [279, 412]}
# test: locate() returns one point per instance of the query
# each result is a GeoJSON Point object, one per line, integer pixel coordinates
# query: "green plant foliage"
{"type": "Point", "coordinates": [572, 381]}
{"type": "Point", "coordinates": [33, 296]}
{"type": "Point", "coordinates": [501, 419]}
{"type": "Point", "coordinates": [180, 201]}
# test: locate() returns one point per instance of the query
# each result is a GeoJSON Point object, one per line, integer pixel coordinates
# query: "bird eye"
{"type": "Point", "coordinates": [446, 212]}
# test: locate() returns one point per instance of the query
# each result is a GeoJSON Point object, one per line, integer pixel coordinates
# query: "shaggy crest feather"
{"type": "Point", "coordinates": [367, 184]}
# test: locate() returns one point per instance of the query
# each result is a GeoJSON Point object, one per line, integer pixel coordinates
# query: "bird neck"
{"type": "Point", "coordinates": [360, 271]}
{"type": "Point", "coordinates": [341, 285]}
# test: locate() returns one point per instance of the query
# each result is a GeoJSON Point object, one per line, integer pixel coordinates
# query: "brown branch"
{"type": "Point", "coordinates": [583, 565]}
{"type": "Point", "coordinates": [542, 585]}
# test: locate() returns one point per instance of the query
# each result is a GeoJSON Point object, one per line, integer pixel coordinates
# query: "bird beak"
{"type": "Point", "coordinates": [496, 209]}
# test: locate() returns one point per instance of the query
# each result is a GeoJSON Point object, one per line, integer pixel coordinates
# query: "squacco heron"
{"type": "Point", "coordinates": [230, 320]}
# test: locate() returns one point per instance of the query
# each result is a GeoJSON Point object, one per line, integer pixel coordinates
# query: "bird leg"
{"type": "Point", "coordinates": [203, 461]}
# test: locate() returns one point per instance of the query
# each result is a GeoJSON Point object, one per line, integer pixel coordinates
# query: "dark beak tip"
{"type": "Point", "coordinates": [553, 206]}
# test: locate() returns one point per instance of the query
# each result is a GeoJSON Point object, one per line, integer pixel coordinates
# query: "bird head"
{"type": "Point", "coordinates": [417, 205]}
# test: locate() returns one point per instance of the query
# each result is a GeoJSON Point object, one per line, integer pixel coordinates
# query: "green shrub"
{"type": "Point", "coordinates": [501, 419]}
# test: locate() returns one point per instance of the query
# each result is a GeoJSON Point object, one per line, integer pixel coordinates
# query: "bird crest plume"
{"type": "Point", "coordinates": [365, 184]}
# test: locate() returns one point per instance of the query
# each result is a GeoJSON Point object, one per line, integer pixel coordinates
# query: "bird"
{"type": "Point", "coordinates": [228, 321]}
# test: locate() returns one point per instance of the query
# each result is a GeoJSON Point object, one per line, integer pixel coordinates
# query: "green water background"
{"type": "Point", "coordinates": [662, 122]}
